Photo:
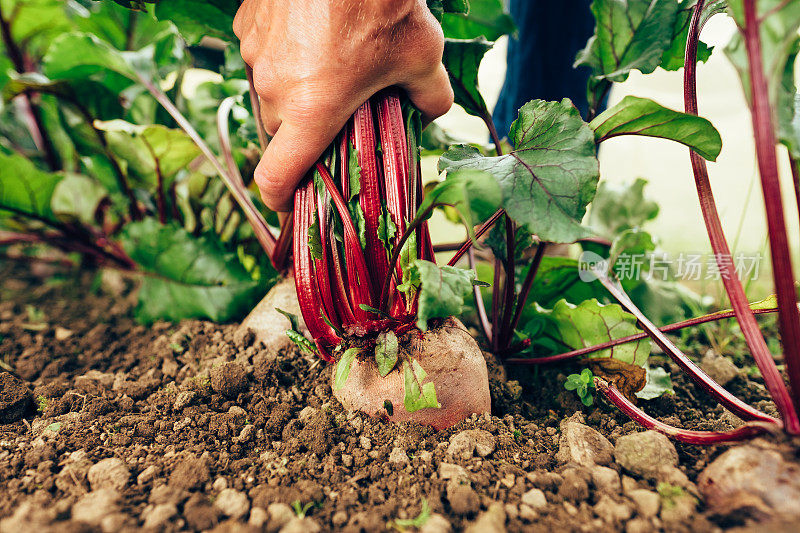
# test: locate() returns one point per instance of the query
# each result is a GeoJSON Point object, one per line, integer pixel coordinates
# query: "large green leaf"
{"type": "Point", "coordinates": [591, 322]}
{"type": "Point", "coordinates": [641, 116]}
{"type": "Point", "coordinates": [24, 189]}
{"type": "Point", "coordinates": [550, 177]}
{"type": "Point", "coordinates": [630, 34]}
{"type": "Point", "coordinates": [76, 197]}
{"type": "Point", "coordinates": [442, 290]}
{"type": "Point", "coordinates": [780, 45]}
{"type": "Point", "coordinates": [197, 19]}
{"type": "Point", "coordinates": [486, 18]}
{"type": "Point", "coordinates": [440, 7]}
{"type": "Point", "coordinates": [34, 24]}
{"type": "Point", "coordinates": [147, 149]}
{"type": "Point", "coordinates": [187, 276]}
{"type": "Point", "coordinates": [462, 59]}
{"type": "Point", "coordinates": [673, 57]}
{"type": "Point", "coordinates": [77, 55]}
{"type": "Point", "coordinates": [617, 208]}
{"type": "Point", "coordinates": [473, 193]}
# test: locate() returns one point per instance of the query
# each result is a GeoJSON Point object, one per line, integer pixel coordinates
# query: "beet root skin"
{"type": "Point", "coordinates": [453, 362]}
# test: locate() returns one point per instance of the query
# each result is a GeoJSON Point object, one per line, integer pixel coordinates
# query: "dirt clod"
{"type": "Point", "coordinates": [16, 399]}
{"type": "Point", "coordinates": [229, 379]}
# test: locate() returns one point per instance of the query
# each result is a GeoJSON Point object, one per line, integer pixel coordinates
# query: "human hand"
{"type": "Point", "coordinates": [315, 61]}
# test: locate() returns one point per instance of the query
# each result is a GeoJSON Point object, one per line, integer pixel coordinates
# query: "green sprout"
{"type": "Point", "coordinates": [301, 510]}
{"type": "Point", "coordinates": [420, 520]}
{"type": "Point", "coordinates": [581, 384]}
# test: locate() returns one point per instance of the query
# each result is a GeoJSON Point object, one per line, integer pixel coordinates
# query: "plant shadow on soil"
{"type": "Point", "coordinates": [214, 432]}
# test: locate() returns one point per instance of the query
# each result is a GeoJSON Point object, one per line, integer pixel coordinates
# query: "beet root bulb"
{"type": "Point", "coordinates": [453, 362]}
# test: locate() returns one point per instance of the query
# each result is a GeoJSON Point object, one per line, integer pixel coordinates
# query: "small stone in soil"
{"type": "Point", "coordinates": [95, 505]}
{"type": "Point", "coordinates": [232, 503]}
{"type": "Point", "coordinates": [646, 454]}
{"type": "Point", "coordinates": [647, 502]}
{"type": "Point", "coordinates": [582, 445]}
{"type": "Point", "coordinates": [472, 441]}
{"type": "Point", "coordinates": [463, 499]}
{"type": "Point", "coordinates": [752, 481]}
{"type": "Point", "coordinates": [535, 498]}
{"type": "Point", "coordinates": [111, 473]}
{"type": "Point", "coordinates": [493, 520]}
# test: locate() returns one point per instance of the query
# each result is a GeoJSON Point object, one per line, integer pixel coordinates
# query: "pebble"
{"type": "Point", "coordinates": [347, 460]}
{"type": "Point", "coordinates": [398, 456]}
{"type": "Point", "coordinates": [110, 473]}
{"type": "Point", "coordinates": [184, 399]}
{"type": "Point", "coordinates": [462, 497]}
{"type": "Point", "coordinates": [527, 513]}
{"type": "Point", "coordinates": [451, 471]}
{"type": "Point", "coordinates": [535, 498]}
{"type": "Point", "coordinates": [611, 511]}
{"type": "Point", "coordinates": [189, 473]}
{"type": "Point", "coordinates": [219, 484]}
{"type": "Point", "coordinates": [582, 445]}
{"type": "Point", "coordinates": [465, 444]}
{"type": "Point", "coordinates": [339, 519]}
{"type": "Point", "coordinates": [62, 334]}
{"type": "Point", "coordinates": [719, 368]}
{"type": "Point", "coordinates": [753, 479]}
{"type": "Point", "coordinates": [159, 515]}
{"type": "Point", "coordinates": [646, 453]}
{"type": "Point", "coordinates": [606, 479]}
{"type": "Point", "coordinates": [147, 475]}
{"type": "Point", "coordinates": [280, 514]}
{"type": "Point", "coordinates": [436, 524]}
{"type": "Point", "coordinates": [258, 517]}
{"type": "Point", "coordinates": [301, 525]}
{"type": "Point", "coordinates": [232, 503]}
{"type": "Point", "coordinates": [647, 502]}
{"type": "Point", "coordinates": [92, 507]}
{"type": "Point", "coordinates": [493, 520]}
{"type": "Point", "coordinates": [365, 442]}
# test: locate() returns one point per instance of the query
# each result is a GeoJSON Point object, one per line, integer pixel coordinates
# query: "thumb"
{"type": "Point", "coordinates": [431, 94]}
{"type": "Point", "coordinates": [290, 154]}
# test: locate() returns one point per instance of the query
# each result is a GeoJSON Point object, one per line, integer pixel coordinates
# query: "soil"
{"type": "Point", "coordinates": [108, 425]}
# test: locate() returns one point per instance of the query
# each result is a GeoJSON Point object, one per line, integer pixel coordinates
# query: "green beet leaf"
{"type": "Point", "coordinates": [658, 384]}
{"type": "Point", "coordinates": [76, 197]}
{"type": "Point", "coordinates": [418, 394]}
{"type": "Point", "coordinates": [440, 7]}
{"type": "Point", "coordinates": [305, 345]}
{"type": "Point", "coordinates": [591, 322]}
{"type": "Point", "coordinates": [343, 368]}
{"type": "Point", "coordinates": [549, 178]}
{"type": "Point", "coordinates": [462, 58]}
{"type": "Point", "coordinates": [472, 193]}
{"type": "Point", "coordinates": [673, 57]}
{"type": "Point", "coordinates": [81, 55]}
{"type": "Point", "coordinates": [386, 349]}
{"type": "Point", "coordinates": [486, 18]}
{"type": "Point", "coordinates": [640, 116]}
{"type": "Point", "coordinates": [617, 208]}
{"type": "Point", "coordinates": [633, 243]}
{"type": "Point", "coordinates": [629, 34]}
{"type": "Point", "coordinates": [188, 276]}
{"type": "Point", "coordinates": [24, 189]}
{"type": "Point", "coordinates": [780, 45]}
{"type": "Point", "coordinates": [195, 20]}
{"type": "Point", "coordinates": [442, 290]}
{"type": "Point", "coordinates": [150, 150]}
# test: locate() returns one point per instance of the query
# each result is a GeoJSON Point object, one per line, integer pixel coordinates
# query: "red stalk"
{"type": "Point", "coordinates": [307, 293]}
{"type": "Point", "coordinates": [317, 201]}
{"type": "Point", "coordinates": [731, 402]}
{"type": "Point", "coordinates": [687, 436]}
{"type": "Point", "coordinates": [479, 305]}
{"type": "Point", "coordinates": [486, 226]}
{"type": "Point", "coordinates": [357, 271]}
{"type": "Point", "coordinates": [526, 288]}
{"type": "Point", "coordinates": [630, 338]}
{"type": "Point", "coordinates": [370, 196]}
{"type": "Point", "coordinates": [763, 127]}
{"type": "Point", "coordinates": [733, 286]}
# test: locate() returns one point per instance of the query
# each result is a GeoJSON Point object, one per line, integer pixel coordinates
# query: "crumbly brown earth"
{"type": "Point", "coordinates": [194, 427]}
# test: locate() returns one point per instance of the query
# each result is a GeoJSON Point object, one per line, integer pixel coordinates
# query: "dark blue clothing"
{"type": "Point", "coordinates": [540, 58]}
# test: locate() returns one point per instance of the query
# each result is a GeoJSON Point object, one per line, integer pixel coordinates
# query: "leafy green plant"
{"type": "Point", "coordinates": [581, 384]}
